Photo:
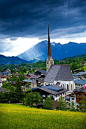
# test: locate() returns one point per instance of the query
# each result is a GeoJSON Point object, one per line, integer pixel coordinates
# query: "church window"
{"type": "Point", "coordinates": [51, 63]}
{"type": "Point", "coordinates": [71, 87]}
{"type": "Point", "coordinates": [67, 87]}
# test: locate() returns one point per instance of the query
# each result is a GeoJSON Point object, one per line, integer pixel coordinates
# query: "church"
{"type": "Point", "coordinates": [58, 74]}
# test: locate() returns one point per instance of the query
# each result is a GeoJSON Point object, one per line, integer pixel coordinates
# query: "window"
{"type": "Point", "coordinates": [67, 87]}
{"type": "Point", "coordinates": [79, 94]}
{"type": "Point", "coordinates": [71, 87]}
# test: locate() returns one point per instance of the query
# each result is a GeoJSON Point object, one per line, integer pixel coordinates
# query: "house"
{"type": "Point", "coordinates": [79, 83]}
{"type": "Point", "coordinates": [41, 81]}
{"type": "Point", "coordinates": [4, 78]}
{"type": "Point", "coordinates": [79, 75]}
{"type": "Point", "coordinates": [33, 83]}
{"type": "Point", "coordinates": [84, 62]}
{"type": "Point", "coordinates": [58, 73]}
{"type": "Point", "coordinates": [27, 76]}
{"type": "Point", "coordinates": [0, 82]}
{"type": "Point", "coordinates": [3, 90]}
{"type": "Point", "coordinates": [53, 91]}
{"type": "Point", "coordinates": [76, 97]}
{"type": "Point", "coordinates": [40, 72]}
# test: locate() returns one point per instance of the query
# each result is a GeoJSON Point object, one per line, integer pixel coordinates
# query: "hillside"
{"type": "Point", "coordinates": [11, 60]}
{"type": "Point", "coordinates": [59, 51]}
{"type": "Point", "coordinates": [15, 116]}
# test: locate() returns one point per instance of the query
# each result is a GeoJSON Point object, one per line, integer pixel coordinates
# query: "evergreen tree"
{"type": "Point", "coordinates": [62, 103]}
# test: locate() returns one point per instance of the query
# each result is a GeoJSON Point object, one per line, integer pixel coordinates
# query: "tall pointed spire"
{"type": "Point", "coordinates": [49, 60]}
{"type": "Point", "coordinates": [49, 47]}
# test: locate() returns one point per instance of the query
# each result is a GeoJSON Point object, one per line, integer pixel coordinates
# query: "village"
{"type": "Point", "coordinates": [56, 82]}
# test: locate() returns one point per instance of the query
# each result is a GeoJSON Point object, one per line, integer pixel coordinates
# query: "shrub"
{"type": "Point", "coordinates": [48, 104]}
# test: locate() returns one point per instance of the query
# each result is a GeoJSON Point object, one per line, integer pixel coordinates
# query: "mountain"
{"type": "Point", "coordinates": [11, 60]}
{"type": "Point", "coordinates": [59, 51]}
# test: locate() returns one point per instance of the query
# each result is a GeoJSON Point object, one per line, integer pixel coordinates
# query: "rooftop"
{"type": "Point", "coordinates": [59, 72]}
{"type": "Point", "coordinates": [51, 89]}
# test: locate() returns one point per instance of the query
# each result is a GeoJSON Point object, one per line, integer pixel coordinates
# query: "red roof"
{"type": "Point", "coordinates": [27, 77]}
{"type": "Point", "coordinates": [3, 76]}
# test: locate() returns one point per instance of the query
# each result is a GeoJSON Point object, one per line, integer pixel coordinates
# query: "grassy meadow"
{"type": "Point", "coordinates": [16, 116]}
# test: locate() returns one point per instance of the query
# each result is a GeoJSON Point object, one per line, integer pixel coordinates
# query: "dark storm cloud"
{"type": "Point", "coordinates": [31, 17]}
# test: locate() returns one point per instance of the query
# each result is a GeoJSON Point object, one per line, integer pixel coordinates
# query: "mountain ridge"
{"type": "Point", "coordinates": [11, 60]}
{"type": "Point", "coordinates": [59, 51]}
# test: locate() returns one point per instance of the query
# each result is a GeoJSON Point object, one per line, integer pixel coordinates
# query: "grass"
{"type": "Point", "coordinates": [15, 116]}
{"type": "Point", "coordinates": [84, 67]}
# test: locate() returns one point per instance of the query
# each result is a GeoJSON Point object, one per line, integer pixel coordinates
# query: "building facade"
{"type": "Point", "coordinates": [76, 97]}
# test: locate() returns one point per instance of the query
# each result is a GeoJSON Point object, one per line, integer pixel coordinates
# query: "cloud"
{"type": "Point", "coordinates": [13, 47]}
{"type": "Point", "coordinates": [30, 19]}
{"type": "Point", "coordinates": [21, 18]}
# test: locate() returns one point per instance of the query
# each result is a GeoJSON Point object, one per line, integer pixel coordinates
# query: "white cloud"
{"type": "Point", "coordinates": [19, 45]}
{"type": "Point", "coordinates": [73, 34]}
{"type": "Point", "coordinates": [78, 38]}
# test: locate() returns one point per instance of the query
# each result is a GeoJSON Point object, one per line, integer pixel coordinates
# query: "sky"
{"type": "Point", "coordinates": [24, 23]}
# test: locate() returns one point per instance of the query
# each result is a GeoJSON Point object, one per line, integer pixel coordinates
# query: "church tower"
{"type": "Point", "coordinates": [49, 60]}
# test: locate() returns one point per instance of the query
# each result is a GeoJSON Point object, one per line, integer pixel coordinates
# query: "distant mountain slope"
{"type": "Point", "coordinates": [11, 60]}
{"type": "Point", "coordinates": [59, 51]}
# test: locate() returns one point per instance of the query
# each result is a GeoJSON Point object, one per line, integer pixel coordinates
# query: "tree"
{"type": "Point", "coordinates": [18, 91]}
{"type": "Point", "coordinates": [27, 85]}
{"type": "Point", "coordinates": [18, 85]}
{"type": "Point", "coordinates": [8, 86]}
{"type": "Point", "coordinates": [83, 103]}
{"type": "Point", "coordinates": [4, 97]}
{"type": "Point", "coordinates": [32, 98]}
{"type": "Point", "coordinates": [37, 98]}
{"type": "Point", "coordinates": [72, 106]}
{"type": "Point", "coordinates": [48, 104]}
{"type": "Point", "coordinates": [21, 76]}
{"type": "Point", "coordinates": [62, 103]}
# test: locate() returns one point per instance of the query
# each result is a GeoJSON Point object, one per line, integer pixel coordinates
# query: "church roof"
{"type": "Point", "coordinates": [59, 72]}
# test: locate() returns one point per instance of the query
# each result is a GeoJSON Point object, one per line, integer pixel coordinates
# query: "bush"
{"type": "Point", "coordinates": [48, 104]}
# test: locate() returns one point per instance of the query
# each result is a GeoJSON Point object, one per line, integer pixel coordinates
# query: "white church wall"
{"type": "Point", "coordinates": [66, 84]}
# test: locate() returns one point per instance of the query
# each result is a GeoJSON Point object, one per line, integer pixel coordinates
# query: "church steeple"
{"type": "Point", "coordinates": [49, 47]}
{"type": "Point", "coordinates": [49, 60]}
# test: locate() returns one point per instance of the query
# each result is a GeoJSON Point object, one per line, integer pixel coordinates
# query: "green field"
{"type": "Point", "coordinates": [15, 116]}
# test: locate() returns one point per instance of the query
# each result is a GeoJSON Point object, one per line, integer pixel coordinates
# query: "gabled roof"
{"type": "Point", "coordinates": [42, 71]}
{"type": "Point", "coordinates": [54, 90]}
{"type": "Point", "coordinates": [79, 81]}
{"type": "Point", "coordinates": [59, 72]}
